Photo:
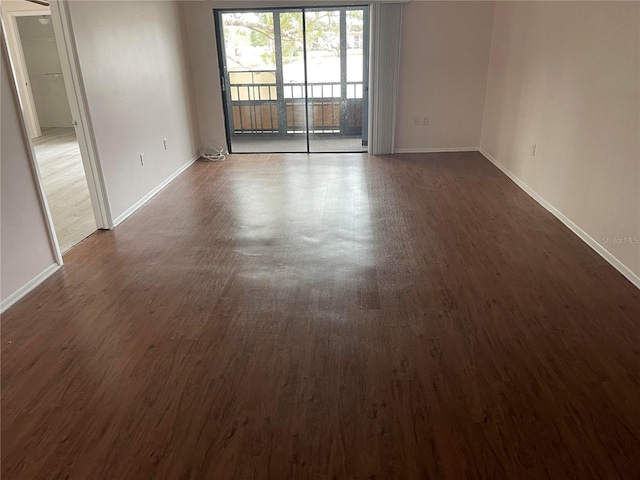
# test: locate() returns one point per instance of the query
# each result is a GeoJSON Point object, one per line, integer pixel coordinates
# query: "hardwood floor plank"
{"type": "Point", "coordinates": [327, 316]}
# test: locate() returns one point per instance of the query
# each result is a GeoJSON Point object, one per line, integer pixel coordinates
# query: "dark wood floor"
{"type": "Point", "coordinates": [321, 317]}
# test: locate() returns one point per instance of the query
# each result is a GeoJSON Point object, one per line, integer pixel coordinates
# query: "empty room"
{"type": "Point", "coordinates": [335, 240]}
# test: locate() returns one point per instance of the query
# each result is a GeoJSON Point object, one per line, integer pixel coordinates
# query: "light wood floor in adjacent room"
{"type": "Point", "coordinates": [65, 185]}
{"type": "Point", "coordinates": [327, 317]}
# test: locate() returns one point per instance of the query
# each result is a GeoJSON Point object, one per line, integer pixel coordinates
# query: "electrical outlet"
{"type": "Point", "coordinates": [164, 142]}
{"type": "Point", "coordinates": [142, 159]}
{"type": "Point", "coordinates": [425, 120]}
{"type": "Point", "coordinates": [533, 150]}
{"type": "Point", "coordinates": [416, 121]}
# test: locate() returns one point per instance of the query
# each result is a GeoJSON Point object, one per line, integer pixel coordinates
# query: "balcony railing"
{"type": "Point", "coordinates": [257, 107]}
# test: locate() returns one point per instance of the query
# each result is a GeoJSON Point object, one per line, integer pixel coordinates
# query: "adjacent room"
{"type": "Point", "coordinates": [50, 124]}
{"type": "Point", "coordinates": [392, 240]}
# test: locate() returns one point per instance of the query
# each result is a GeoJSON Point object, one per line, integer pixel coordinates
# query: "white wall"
{"type": "Point", "coordinates": [565, 76]}
{"type": "Point", "coordinates": [42, 60]}
{"type": "Point", "coordinates": [137, 80]}
{"type": "Point", "coordinates": [443, 73]}
{"type": "Point", "coordinates": [25, 249]}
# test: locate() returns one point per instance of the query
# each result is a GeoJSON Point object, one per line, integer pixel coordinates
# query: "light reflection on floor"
{"type": "Point", "coordinates": [319, 210]}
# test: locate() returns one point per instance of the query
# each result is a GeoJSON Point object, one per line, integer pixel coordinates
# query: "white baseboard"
{"type": "Point", "coordinates": [436, 150]}
{"type": "Point", "coordinates": [155, 191]}
{"type": "Point", "coordinates": [28, 287]}
{"type": "Point", "coordinates": [584, 236]}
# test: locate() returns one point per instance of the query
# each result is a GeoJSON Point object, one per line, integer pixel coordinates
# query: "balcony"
{"type": "Point", "coordinates": [265, 114]}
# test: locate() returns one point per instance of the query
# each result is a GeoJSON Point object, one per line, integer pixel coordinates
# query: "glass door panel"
{"type": "Point", "coordinates": [335, 81]}
{"type": "Point", "coordinates": [257, 112]}
{"type": "Point", "coordinates": [285, 94]}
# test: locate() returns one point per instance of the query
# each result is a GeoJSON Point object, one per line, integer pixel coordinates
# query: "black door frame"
{"type": "Point", "coordinates": [225, 83]}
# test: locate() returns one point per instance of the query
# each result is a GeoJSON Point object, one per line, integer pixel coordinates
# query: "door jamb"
{"type": "Point", "coordinates": [67, 50]}
{"type": "Point", "coordinates": [222, 65]}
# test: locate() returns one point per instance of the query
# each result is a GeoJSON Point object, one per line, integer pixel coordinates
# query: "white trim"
{"type": "Point", "coordinates": [28, 287]}
{"type": "Point", "coordinates": [436, 150]}
{"type": "Point", "coordinates": [155, 191]}
{"type": "Point", "coordinates": [584, 236]}
{"type": "Point", "coordinates": [67, 51]}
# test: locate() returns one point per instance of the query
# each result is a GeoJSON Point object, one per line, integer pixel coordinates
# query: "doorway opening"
{"type": "Point", "coordinates": [295, 80]}
{"type": "Point", "coordinates": [51, 125]}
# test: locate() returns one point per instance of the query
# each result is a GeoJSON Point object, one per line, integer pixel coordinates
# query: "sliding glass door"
{"type": "Point", "coordinates": [295, 80]}
{"type": "Point", "coordinates": [335, 79]}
